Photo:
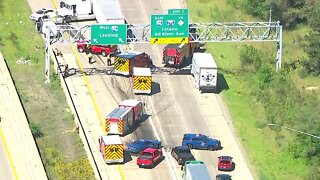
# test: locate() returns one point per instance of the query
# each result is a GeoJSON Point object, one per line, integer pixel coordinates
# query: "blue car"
{"type": "Point", "coordinates": [139, 145]}
{"type": "Point", "coordinates": [200, 141]}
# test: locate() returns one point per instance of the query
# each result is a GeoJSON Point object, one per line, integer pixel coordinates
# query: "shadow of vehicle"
{"type": "Point", "coordinates": [221, 83]}
{"type": "Point", "coordinates": [143, 118]}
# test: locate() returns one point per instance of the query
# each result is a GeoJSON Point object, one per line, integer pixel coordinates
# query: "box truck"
{"type": "Point", "coordinates": [205, 71]}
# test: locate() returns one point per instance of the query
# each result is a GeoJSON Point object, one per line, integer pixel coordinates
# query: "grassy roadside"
{"type": "Point", "coordinates": [60, 147]}
{"type": "Point", "coordinates": [266, 155]}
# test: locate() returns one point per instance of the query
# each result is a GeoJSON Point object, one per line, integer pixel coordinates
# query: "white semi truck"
{"type": "Point", "coordinates": [76, 10]}
{"type": "Point", "coordinates": [108, 12]}
{"type": "Point", "coordinates": [104, 11]}
{"type": "Point", "coordinates": [205, 71]}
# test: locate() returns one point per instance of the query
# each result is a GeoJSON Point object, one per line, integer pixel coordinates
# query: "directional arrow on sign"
{"type": "Point", "coordinates": [155, 40]}
{"type": "Point", "coordinates": [183, 39]}
{"type": "Point", "coordinates": [95, 40]}
{"type": "Point", "coordinates": [120, 40]}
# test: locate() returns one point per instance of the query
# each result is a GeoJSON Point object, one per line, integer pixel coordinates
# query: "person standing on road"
{"type": "Point", "coordinates": [89, 55]}
{"type": "Point", "coordinates": [109, 59]}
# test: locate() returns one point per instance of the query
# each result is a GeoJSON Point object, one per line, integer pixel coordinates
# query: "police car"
{"type": "Point", "coordinates": [139, 145]}
{"type": "Point", "coordinates": [200, 141]}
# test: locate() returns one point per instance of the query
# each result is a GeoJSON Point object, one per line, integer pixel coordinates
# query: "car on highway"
{"type": "Point", "coordinates": [182, 154]}
{"type": "Point", "coordinates": [42, 12]}
{"type": "Point", "coordinates": [104, 50]}
{"type": "Point", "coordinates": [223, 177]}
{"type": "Point", "coordinates": [200, 141]}
{"type": "Point", "coordinates": [150, 157]}
{"type": "Point", "coordinates": [139, 145]}
{"type": "Point", "coordinates": [225, 163]}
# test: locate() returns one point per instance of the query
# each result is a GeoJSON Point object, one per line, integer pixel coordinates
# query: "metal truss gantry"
{"type": "Point", "coordinates": [198, 32]}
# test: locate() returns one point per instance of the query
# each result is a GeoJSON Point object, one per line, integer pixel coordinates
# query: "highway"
{"type": "Point", "coordinates": [175, 107]}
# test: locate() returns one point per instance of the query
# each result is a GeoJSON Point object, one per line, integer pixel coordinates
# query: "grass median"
{"type": "Point", "coordinates": [45, 105]}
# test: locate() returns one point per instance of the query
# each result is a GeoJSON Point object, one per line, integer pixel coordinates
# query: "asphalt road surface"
{"type": "Point", "coordinates": [175, 108]}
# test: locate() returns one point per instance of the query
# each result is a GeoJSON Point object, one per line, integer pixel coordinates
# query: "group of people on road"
{"type": "Point", "coordinates": [90, 57]}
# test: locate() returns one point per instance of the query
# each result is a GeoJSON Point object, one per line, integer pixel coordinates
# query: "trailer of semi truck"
{"type": "Point", "coordinates": [205, 71]}
{"type": "Point", "coordinates": [108, 12]}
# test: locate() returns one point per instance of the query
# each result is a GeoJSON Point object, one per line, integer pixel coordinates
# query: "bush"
{"type": "Point", "coordinates": [35, 130]}
{"type": "Point", "coordinates": [250, 58]}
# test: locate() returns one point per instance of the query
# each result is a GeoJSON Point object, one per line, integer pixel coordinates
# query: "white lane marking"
{"type": "Point", "coordinates": [167, 158]}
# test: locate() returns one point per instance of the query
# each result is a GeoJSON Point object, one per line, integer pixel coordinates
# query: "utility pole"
{"type": "Point", "coordinates": [47, 65]}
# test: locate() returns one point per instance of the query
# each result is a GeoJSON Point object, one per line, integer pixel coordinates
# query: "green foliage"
{"type": "Point", "coordinates": [35, 130]}
{"type": "Point", "coordinates": [312, 66]}
{"type": "Point", "coordinates": [43, 104]}
{"type": "Point", "coordinates": [289, 12]}
{"type": "Point", "coordinates": [79, 169]}
{"type": "Point", "coordinates": [257, 8]}
{"type": "Point", "coordinates": [250, 56]}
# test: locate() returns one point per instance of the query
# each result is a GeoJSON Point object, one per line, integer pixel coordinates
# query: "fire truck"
{"type": "Point", "coordinates": [123, 118]}
{"type": "Point", "coordinates": [124, 62]}
{"type": "Point", "coordinates": [137, 107]}
{"type": "Point", "coordinates": [142, 80]}
{"type": "Point", "coordinates": [176, 54]}
{"type": "Point", "coordinates": [111, 148]}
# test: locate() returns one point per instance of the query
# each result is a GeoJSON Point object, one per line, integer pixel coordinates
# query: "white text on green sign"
{"type": "Point", "coordinates": [109, 34]}
{"type": "Point", "coordinates": [165, 25]}
{"type": "Point", "coordinates": [178, 11]}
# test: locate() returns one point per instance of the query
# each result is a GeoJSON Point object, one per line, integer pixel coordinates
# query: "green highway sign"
{"type": "Point", "coordinates": [169, 28]}
{"type": "Point", "coordinates": [108, 34]}
{"type": "Point", "coordinates": [178, 11]}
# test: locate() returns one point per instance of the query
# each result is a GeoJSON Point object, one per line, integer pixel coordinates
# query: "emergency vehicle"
{"type": "Point", "coordinates": [124, 62]}
{"type": "Point", "coordinates": [111, 148]}
{"type": "Point", "coordinates": [142, 80]}
{"type": "Point", "coordinates": [137, 107]}
{"type": "Point", "coordinates": [176, 54]}
{"type": "Point", "coordinates": [121, 119]}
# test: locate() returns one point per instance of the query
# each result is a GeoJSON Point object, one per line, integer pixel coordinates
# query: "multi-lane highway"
{"type": "Point", "coordinates": [175, 107]}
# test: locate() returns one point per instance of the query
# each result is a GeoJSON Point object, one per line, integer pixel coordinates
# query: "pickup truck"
{"type": "Point", "coordinates": [104, 50]}
{"type": "Point", "coordinates": [150, 157]}
{"type": "Point", "coordinates": [182, 154]}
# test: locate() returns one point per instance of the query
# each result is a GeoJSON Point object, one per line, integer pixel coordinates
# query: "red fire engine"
{"type": "Point", "coordinates": [121, 119]}
{"type": "Point", "coordinates": [176, 54]}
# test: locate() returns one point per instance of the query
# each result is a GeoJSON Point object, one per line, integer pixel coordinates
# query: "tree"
{"type": "Point", "coordinates": [312, 66]}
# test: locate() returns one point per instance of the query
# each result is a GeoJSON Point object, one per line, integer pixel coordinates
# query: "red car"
{"type": "Point", "coordinates": [149, 157]}
{"type": "Point", "coordinates": [225, 163]}
{"type": "Point", "coordinates": [96, 49]}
